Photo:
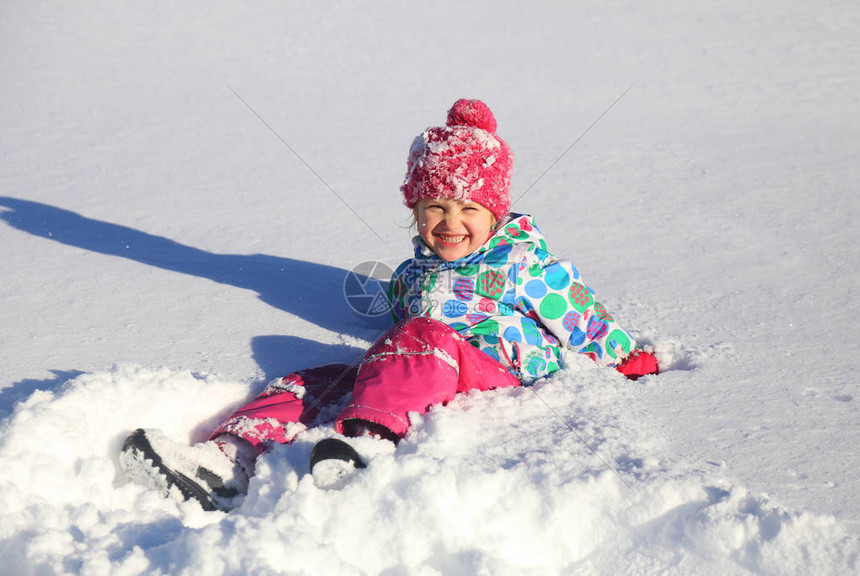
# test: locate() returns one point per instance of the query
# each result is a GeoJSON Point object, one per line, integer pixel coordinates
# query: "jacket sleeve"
{"type": "Point", "coordinates": [552, 292]}
{"type": "Point", "coordinates": [400, 290]}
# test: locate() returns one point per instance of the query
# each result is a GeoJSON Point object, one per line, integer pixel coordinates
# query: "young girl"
{"type": "Point", "coordinates": [483, 304]}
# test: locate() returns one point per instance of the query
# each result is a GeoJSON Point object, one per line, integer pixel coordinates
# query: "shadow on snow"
{"type": "Point", "coordinates": [311, 291]}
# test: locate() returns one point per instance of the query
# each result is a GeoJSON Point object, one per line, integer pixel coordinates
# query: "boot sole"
{"type": "Point", "coordinates": [137, 447]}
{"type": "Point", "coordinates": [334, 449]}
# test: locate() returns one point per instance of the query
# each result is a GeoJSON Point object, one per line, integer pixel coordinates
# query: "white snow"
{"type": "Point", "coordinates": [163, 254]}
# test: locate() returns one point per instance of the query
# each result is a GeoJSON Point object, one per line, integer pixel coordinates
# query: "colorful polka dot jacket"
{"type": "Point", "coordinates": [511, 299]}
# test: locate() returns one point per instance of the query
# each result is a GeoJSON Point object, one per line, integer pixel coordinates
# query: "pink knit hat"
{"type": "Point", "coordinates": [463, 160]}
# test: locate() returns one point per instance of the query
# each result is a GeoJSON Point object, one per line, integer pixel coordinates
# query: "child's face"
{"type": "Point", "coordinates": [453, 229]}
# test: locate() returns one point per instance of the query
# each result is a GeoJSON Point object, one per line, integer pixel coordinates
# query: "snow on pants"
{"type": "Point", "coordinates": [417, 363]}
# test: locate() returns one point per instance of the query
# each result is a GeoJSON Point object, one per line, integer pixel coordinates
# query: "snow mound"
{"type": "Point", "coordinates": [564, 477]}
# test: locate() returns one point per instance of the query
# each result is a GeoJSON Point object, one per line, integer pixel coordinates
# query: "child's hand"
{"type": "Point", "coordinates": [639, 363]}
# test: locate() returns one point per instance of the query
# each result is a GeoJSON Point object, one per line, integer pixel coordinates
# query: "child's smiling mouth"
{"type": "Point", "coordinates": [450, 239]}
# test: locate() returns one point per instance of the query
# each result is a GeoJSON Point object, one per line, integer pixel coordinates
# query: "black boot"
{"type": "Point", "coordinates": [334, 449]}
{"type": "Point", "coordinates": [201, 472]}
{"type": "Point", "coordinates": [333, 461]}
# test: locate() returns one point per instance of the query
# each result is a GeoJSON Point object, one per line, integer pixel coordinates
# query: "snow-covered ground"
{"type": "Point", "coordinates": [163, 253]}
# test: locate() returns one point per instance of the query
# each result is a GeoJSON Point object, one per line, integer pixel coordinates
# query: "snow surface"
{"type": "Point", "coordinates": [164, 254]}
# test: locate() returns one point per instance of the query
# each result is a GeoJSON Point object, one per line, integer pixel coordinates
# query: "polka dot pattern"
{"type": "Point", "coordinates": [513, 300]}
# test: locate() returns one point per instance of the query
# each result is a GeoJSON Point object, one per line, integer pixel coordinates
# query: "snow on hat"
{"type": "Point", "coordinates": [463, 160]}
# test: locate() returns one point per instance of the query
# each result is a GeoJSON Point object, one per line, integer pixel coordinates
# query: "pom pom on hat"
{"type": "Point", "coordinates": [471, 113]}
{"type": "Point", "coordinates": [464, 160]}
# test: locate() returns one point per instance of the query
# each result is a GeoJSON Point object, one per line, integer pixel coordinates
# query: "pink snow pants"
{"type": "Point", "coordinates": [417, 363]}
